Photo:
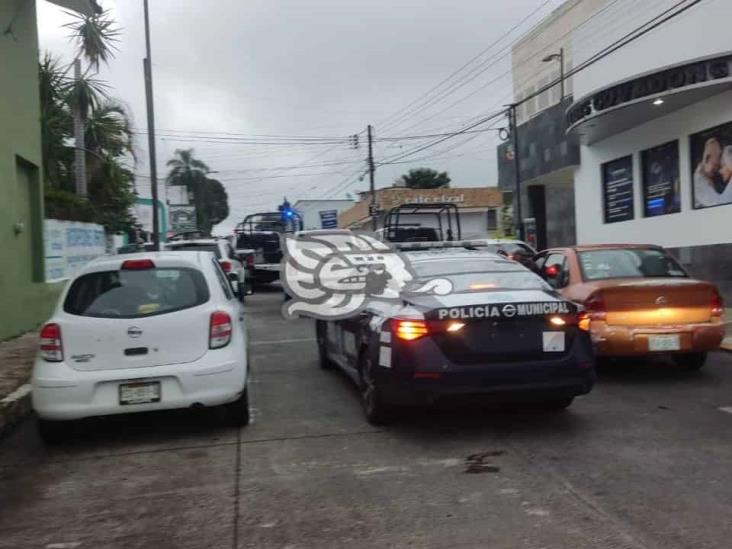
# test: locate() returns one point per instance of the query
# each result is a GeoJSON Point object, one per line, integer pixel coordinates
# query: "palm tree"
{"type": "Point", "coordinates": [96, 37]}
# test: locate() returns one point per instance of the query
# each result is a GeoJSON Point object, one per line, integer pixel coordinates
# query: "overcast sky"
{"type": "Point", "coordinates": [310, 68]}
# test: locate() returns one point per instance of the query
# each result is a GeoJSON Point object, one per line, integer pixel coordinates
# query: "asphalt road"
{"type": "Point", "coordinates": [642, 462]}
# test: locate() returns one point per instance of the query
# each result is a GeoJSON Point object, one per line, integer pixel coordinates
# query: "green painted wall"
{"type": "Point", "coordinates": [25, 300]}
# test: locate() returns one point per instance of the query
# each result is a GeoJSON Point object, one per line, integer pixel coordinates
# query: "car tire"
{"type": "Point", "coordinates": [558, 404]}
{"type": "Point", "coordinates": [323, 360]}
{"type": "Point", "coordinates": [236, 414]}
{"type": "Point", "coordinates": [377, 409]}
{"type": "Point", "coordinates": [55, 432]}
{"type": "Point", "coordinates": [691, 361]}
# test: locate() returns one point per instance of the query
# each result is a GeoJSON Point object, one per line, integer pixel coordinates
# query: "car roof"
{"type": "Point", "coordinates": [501, 263]}
{"type": "Point", "coordinates": [588, 247]}
{"type": "Point", "coordinates": [193, 260]}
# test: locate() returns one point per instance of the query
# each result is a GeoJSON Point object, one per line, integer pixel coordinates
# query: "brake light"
{"type": "Point", "coordinates": [596, 307]}
{"type": "Point", "coordinates": [717, 303]}
{"type": "Point", "coordinates": [220, 330]}
{"type": "Point", "coordinates": [52, 348]}
{"type": "Point", "coordinates": [137, 264]}
{"type": "Point", "coordinates": [583, 321]}
{"type": "Point", "coordinates": [226, 266]}
{"type": "Point", "coordinates": [410, 330]}
{"type": "Point", "coordinates": [551, 271]}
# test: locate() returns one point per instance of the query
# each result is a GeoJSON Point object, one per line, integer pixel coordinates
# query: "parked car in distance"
{"type": "Point", "coordinates": [235, 269]}
{"type": "Point", "coordinates": [139, 333]}
{"type": "Point", "coordinates": [639, 299]}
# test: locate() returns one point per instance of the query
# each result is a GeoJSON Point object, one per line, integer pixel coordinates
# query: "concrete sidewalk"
{"type": "Point", "coordinates": [16, 361]}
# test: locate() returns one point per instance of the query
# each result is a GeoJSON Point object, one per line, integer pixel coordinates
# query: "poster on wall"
{"type": "Point", "coordinates": [617, 185]}
{"type": "Point", "coordinates": [328, 219]}
{"type": "Point", "coordinates": [660, 167]}
{"type": "Point", "coordinates": [711, 165]}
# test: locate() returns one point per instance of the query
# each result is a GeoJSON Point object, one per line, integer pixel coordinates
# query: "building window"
{"type": "Point", "coordinates": [617, 190]}
{"type": "Point", "coordinates": [660, 179]}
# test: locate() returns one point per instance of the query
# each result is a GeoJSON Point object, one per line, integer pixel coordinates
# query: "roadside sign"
{"type": "Point", "coordinates": [328, 219]}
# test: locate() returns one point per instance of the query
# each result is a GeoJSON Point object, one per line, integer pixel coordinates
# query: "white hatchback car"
{"type": "Point", "coordinates": [142, 332]}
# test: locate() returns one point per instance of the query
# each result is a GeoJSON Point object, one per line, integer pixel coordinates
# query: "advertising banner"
{"type": "Point", "coordinates": [617, 184]}
{"type": "Point", "coordinates": [660, 167]}
{"type": "Point", "coordinates": [69, 246]}
{"type": "Point", "coordinates": [711, 164]}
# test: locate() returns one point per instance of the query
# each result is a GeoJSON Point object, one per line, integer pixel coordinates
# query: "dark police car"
{"type": "Point", "coordinates": [501, 334]}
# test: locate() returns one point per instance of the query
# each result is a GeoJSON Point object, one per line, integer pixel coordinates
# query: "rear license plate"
{"type": "Point", "coordinates": [664, 343]}
{"type": "Point", "coordinates": [553, 342]}
{"type": "Point", "coordinates": [139, 393]}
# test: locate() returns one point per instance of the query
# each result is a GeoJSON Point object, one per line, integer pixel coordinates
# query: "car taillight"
{"type": "Point", "coordinates": [220, 330]}
{"type": "Point", "coordinates": [717, 303]}
{"type": "Point", "coordinates": [583, 321]}
{"type": "Point", "coordinates": [409, 330]}
{"type": "Point", "coordinates": [52, 348]}
{"type": "Point", "coordinates": [137, 264]}
{"type": "Point", "coordinates": [596, 307]}
{"type": "Point", "coordinates": [226, 266]}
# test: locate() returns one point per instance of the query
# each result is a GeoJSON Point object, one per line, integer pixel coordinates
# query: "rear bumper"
{"type": "Point", "coordinates": [634, 340]}
{"type": "Point", "coordinates": [488, 389]}
{"type": "Point", "coordinates": [62, 393]}
{"type": "Point", "coordinates": [421, 374]}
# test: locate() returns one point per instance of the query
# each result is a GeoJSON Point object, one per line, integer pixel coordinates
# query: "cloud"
{"type": "Point", "coordinates": [288, 67]}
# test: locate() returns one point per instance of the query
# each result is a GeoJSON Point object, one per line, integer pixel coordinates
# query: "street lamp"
{"type": "Point", "coordinates": [558, 57]}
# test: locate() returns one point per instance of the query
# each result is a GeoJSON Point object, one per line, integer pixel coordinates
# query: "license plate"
{"type": "Point", "coordinates": [664, 343]}
{"type": "Point", "coordinates": [139, 393]}
{"type": "Point", "coordinates": [553, 342]}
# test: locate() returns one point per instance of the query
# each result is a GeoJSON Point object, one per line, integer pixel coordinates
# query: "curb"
{"type": "Point", "coordinates": [15, 407]}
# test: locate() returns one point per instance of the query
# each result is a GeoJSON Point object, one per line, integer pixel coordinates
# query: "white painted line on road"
{"type": "Point", "coordinates": [19, 393]}
{"type": "Point", "coordinates": [727, 409]}
{"type": "Point", "coordinates": [282, 341]}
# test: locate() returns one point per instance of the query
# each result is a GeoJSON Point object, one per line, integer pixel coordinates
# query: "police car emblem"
{"type": "Point", "coordinates": [509, 310]}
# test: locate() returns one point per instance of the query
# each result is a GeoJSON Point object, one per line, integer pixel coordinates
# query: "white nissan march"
{"type": "Point", "coordinates": [138, 333]}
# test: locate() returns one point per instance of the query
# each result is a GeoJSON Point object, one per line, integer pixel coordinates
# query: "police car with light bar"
{"type": "Point", "coordinates": [502, 334]}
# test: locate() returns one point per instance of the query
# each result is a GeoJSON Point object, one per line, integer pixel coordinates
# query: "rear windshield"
{"type": "Point", "coordinates": [461, 265]}
{"type": "Point", "coordinates": [628, 263]}
{"type": "Point", "coordinates": [136, 294]}
{"type": "Point", "coordinates": [192, 247]}
{"type": "Point", "coordinates": [480, 275]}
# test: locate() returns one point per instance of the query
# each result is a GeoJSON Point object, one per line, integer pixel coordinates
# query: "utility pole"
{"type": "Point", "coordinates": [372, 206]}
{"type": "Point", "coordinates": [561, 72]}
{"type": "Point", "coordinates": [79, 142]}
{"type": "Point", "coordinates": [517, 222]}
{"type": "Point", "coordinates": [147, 64]}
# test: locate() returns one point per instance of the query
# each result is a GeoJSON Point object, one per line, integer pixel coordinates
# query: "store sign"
{"type": "Point", "coordinates": [328, 219]}
{"type": "Point", "coordinates": [69, 246]}
{"type": "Point", "coordinates": [660, 167]}
{"type": "Point", "coordinates": [674, 79]}
{"type": "Point", "coordinates": [617, 183]}
{"type": "Point", "coordinates": [434, 199]}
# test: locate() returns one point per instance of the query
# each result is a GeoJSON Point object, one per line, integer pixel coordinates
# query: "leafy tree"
{"type": "Point", "coordinates": [108, 142]}
{"type": "Point", "coordinates": [209, 195]}
{"type": "Point", "coordinates": [424, 178]}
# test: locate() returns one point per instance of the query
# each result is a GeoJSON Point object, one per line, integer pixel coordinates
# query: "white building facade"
{"type": "Point", "coordinates": [654, 121]}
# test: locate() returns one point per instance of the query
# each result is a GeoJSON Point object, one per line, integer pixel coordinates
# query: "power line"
{"type": "Point", "coordinates": [390, 121]}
